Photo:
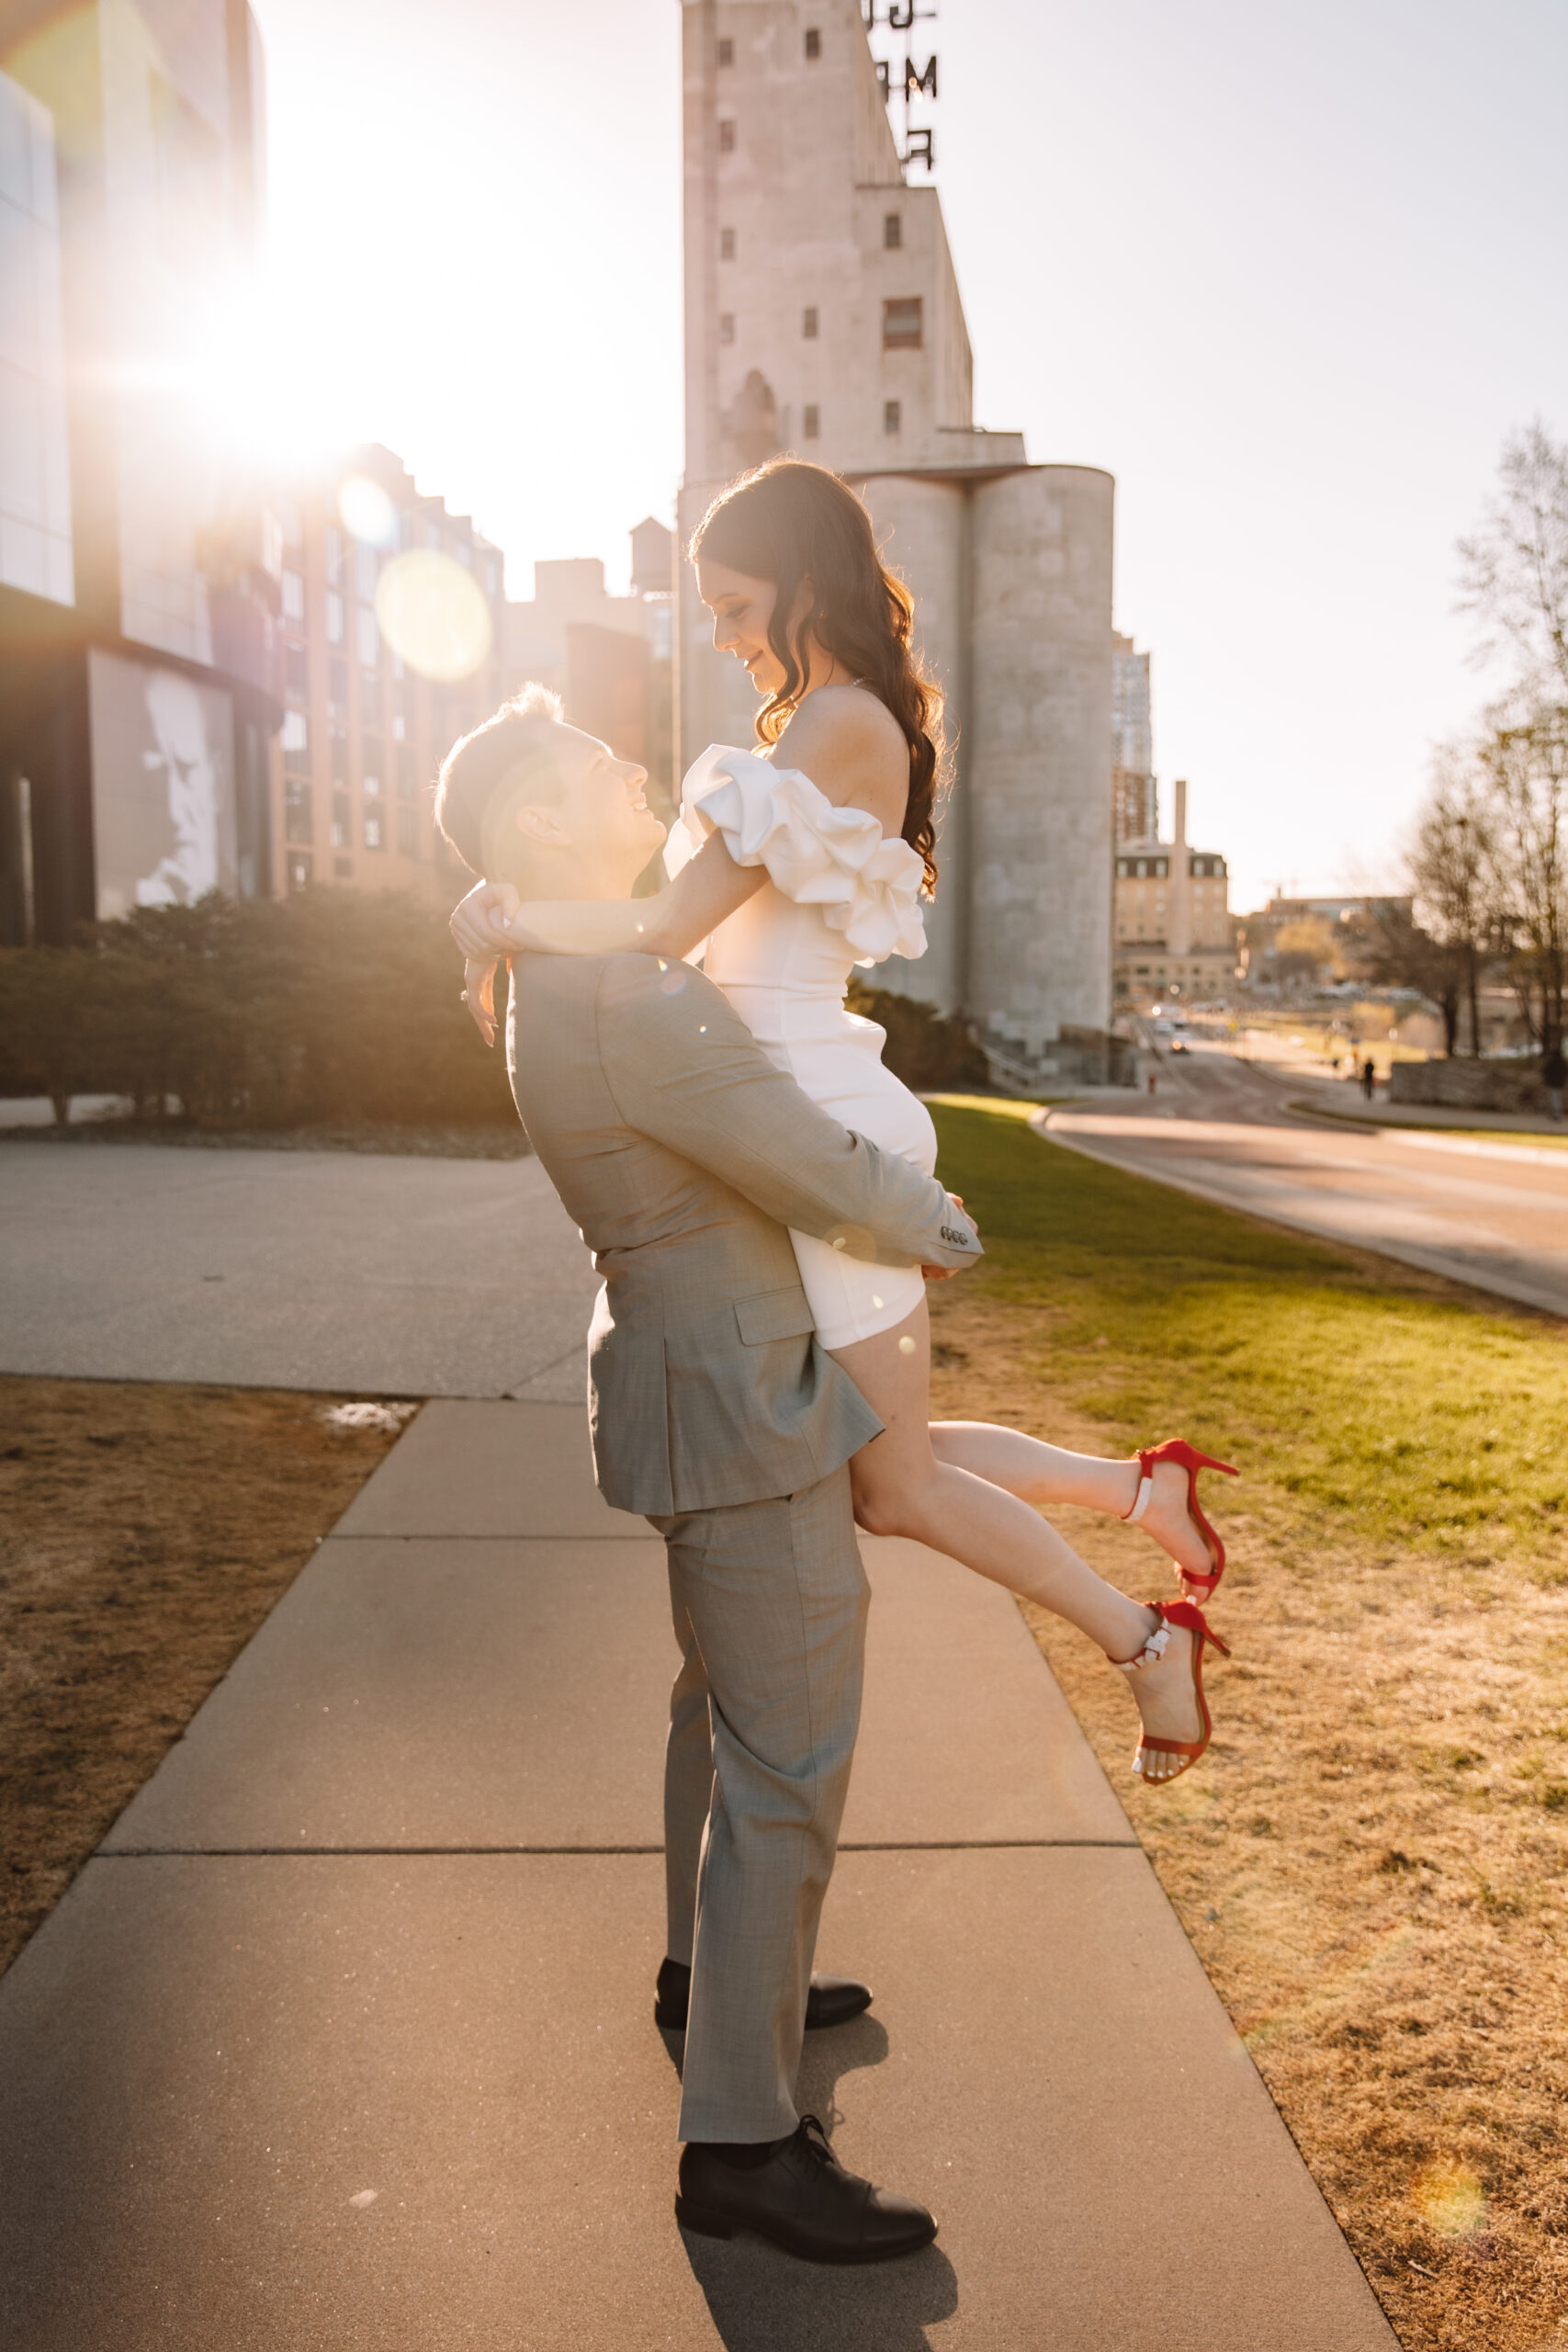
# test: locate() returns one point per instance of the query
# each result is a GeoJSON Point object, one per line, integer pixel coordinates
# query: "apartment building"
{"type": "Point", "coordinates": [1175, 933]}
{"type": "Point", "coordinates": [366, 722]}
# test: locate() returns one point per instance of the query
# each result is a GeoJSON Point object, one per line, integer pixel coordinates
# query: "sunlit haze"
{"type": "Point", "coordinates": [1290, 274]}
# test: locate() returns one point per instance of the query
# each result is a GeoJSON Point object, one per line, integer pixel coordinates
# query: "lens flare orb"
{"type": "Point", "coordinates": [1449, 2199]}
{"type": "Point", "coordinates": [368, 514]}
{"type": "Point", "coordinates": [433, 615]}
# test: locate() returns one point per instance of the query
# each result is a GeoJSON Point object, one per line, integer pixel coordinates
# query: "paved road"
{"type": "Point", "coordinates": [1488, 1214]}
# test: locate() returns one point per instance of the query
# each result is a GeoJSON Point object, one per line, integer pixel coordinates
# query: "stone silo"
{"type": "Point", "coordinates": [823, 317]}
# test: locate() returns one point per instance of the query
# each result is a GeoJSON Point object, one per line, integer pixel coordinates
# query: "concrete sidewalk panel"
{"type": "Point", "coordinates": [489, 1468]}
{"type": "Point", "coordinates": [965, 1739]}
{"type": "Point", "coordinates": [484, 1693]}
{"type": "Point", "coordinates": [389, 1275]}
{"type": "Point", "coordinates": [419, 2104]}
{"type": "Point", "coordinates": [433, 1695]}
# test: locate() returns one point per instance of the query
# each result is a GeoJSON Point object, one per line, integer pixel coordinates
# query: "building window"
{"type": "Point", "coordinates": [727, 53]}
{"type": "Point", "coordinates": [370, 785]}
{"type": "Point", "coordinates": [296, 673]}
{"type": "Point", "coordinates": [726, 244]}
{"type": "Point", "coordinates": [726, 139]}
{"type": "Point", "coordinates": [342, 820]}
{"type": "Point", "coordinates": [726, 326]}
{"type": "Point", "coordinates": [298, 871]}
{"type": "Point", "coordinates": [343, 869]}
{"type": "Point", "coordinates": [1122, 869]}
{"type": "Point", "coordinates": [373, 830]}
{"type": "Point", "coordinates": [813, 42]}
{"type": "Point", "coordinates": [903, 324]}
{"type": "Point", "coordinates": [408, 834]}
{"type": "Point", "coordinates": [811, 422]}
{"type": "Point", "coordinates": [891, 230]}
{"type": "Point", "coordinates": [366, 564]}
{"type": "Point", "coordinates": [406, 784]}
{"type": "Point", "coordinates": [293, 596]}
{"type": "Point", "coordinates": [892, 416]}
{"type": "Point", "coordinates": [299, 823]}
{"type": "Point", "coordinates": [332, 548]}
{"type": "Point", "coordinates": [808, 324]}
{"type": "Point", "coordinates": [334, 617]}
{"type": "Point", "coordinates": [369, 639]}
{"type": "Point", "coordinates": [337, 687]}
{"type": "Point", "coordinates": [340, 758]}
{"type": "Point", "coordinates": [295, 738]}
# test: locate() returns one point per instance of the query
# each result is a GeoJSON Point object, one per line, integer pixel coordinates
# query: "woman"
{"type": "Point", "coordinates": [787, 866]}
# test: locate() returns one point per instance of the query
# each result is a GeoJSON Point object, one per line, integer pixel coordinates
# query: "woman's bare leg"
{"type": "Point", "coordinates": [1050, 1476]}
{"type": "Point", "coordinates": [901, 1488]}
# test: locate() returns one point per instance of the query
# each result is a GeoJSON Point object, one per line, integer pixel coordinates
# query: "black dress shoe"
{"type": "Point", "coordinates": [831, 2000]}
{"type": "Point", "coordinates": [801, 2198]}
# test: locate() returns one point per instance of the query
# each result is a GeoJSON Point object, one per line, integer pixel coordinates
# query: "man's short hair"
{"type": "Point", "coordinates": [508, 751]}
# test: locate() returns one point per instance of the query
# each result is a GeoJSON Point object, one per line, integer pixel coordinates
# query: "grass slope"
{"type": "Point", "coordinates": [1371, 1860]}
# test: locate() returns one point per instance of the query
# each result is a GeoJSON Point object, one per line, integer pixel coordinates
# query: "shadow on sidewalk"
{"type": "Point", "coordinates": [763, 2301]}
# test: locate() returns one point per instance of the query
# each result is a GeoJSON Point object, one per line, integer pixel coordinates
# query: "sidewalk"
{"type": "Point", "coordinates": [390, 1276]}
{"type": "Point", "coordinates": [344, 2040]}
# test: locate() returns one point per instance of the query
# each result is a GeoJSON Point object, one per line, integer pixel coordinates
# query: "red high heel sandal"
{"type": "Point", "coordinates": [1185, 1614]}
{"type": "Point", "coordinates": [1187, 1457]}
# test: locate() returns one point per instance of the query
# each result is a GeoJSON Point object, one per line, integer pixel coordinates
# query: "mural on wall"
{"type": "Point", "coordinates": [163, 786]}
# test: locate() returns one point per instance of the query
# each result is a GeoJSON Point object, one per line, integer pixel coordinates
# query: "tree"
{"type": "Point", "coordinates": [1514, 579]}
{"type": "Point", "coordinates": [1527, 767]}
{"type": "Point", "coordinates": [1389, 949]}
{"type": "Point", "coordinates": [1305, 950]}
{"type": "Point", "coordinates": [1514, 567]}
{"type": "Point", "coordinates": [1453, 868]}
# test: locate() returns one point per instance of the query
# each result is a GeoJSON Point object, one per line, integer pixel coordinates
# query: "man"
{"type": "Point", "coordinates": [684, 1154]}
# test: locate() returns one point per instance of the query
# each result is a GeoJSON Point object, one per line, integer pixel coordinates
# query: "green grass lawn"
{"type": "Point", "coordinates": [1383, 1401]}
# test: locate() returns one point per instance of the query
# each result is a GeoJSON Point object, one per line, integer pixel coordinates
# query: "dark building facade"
{"type": "Point", "coordinates": [141, 564]}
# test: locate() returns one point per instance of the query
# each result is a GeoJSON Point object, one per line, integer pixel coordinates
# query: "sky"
{"type": "Point", "coordinates": [1290, 274]}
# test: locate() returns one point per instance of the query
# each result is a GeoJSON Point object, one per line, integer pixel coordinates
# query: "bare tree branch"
{"type": "Point", "coordinates": [1514, 567]}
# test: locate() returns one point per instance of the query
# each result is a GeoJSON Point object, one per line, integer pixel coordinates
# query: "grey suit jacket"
{"type": "Point", "coordinates": [682, 1154]}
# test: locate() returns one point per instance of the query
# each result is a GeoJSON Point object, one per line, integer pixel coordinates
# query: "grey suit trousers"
{"type": "Point", "coordinates": [768, 1600]}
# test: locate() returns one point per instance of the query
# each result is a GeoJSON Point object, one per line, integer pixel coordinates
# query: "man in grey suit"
{"type": "Point", "coordinates": [684, 1154]}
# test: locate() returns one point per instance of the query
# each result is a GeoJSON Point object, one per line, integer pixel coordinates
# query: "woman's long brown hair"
{"type": "Point", "coordinates": [789, 522]}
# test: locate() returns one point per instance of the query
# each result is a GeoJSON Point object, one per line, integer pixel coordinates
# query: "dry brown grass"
{"type": "Point", "coordinates": [1370, 1861]}
{"type": "Point", "coordinates": [145, 1532]}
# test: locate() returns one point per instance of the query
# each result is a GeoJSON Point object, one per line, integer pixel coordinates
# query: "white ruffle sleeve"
{"type": "Point", "coordinates": [837, 859]}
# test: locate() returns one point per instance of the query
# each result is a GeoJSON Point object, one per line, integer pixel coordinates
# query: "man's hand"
{"type": "Point", "coordinates": [945, 1273]}
{"type": "Point", "coordinates": [480, 921]}
{"type": "Point", "coordinates": [478, 994]}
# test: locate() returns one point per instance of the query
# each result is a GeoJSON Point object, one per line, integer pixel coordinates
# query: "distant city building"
{"type": "Point", "coordinates": [823, 317]}
{"type": "Point", "coordinates": [1174, 931]}
{"type": "Point", "coordinates": [1308, 940]}
{"type": "Point", "coordinates": [363, 729]}
{"type": "Point", "coordinates": [1133, 792]}
{"type": "Point", "coordinates": [139, 576]}
{"type": "Point", "coordinates": [607, 657]}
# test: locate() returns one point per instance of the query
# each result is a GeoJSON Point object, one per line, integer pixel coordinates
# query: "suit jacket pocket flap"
{"type": "Point", "coordinates": [776, 1315]}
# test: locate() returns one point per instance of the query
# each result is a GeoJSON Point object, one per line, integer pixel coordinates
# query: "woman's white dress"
{"type": "Point", "coordinates": [838, 893]}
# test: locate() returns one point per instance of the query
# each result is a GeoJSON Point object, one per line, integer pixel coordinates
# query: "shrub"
{"type": "Point", "coordinates": [927, 1050]}
{"type": "Point", "coordinates": [329, 1008]}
